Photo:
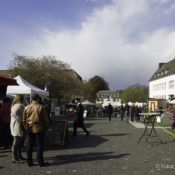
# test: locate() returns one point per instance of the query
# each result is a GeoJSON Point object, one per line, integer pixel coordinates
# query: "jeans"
{"type": "Point", "coordinates": [40, 145]}
{"type": "Point", "coordinates": [16, 148]}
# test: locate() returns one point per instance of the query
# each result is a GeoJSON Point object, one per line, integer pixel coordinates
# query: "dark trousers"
{"type": "Point", "coordinates": [40, 145]}
{"type": "Point", "coordinates": [16, 148]}
{"type": "Point", "coordinates": [6, 135]}
{"type": "Point", "coordinates": [122, 115]}
{"type": "Point", "coordinates": [137, 118]}
{"type": "Point", "coordinates": [109, 116]}
{"type": "Point", "coordinates": [132, 117]}
{"type": "Point", "coordinates": [79, 124]}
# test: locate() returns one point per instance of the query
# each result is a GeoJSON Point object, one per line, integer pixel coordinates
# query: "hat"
{"type": "Point", "coordinates": [78, 99]}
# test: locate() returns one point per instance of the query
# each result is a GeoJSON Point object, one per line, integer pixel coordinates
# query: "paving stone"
{"type": "Point", "coordinates": [111, 149]}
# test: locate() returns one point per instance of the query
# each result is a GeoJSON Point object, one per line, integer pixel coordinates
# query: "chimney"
{"type": "Point", "coordinates": [160, 65]}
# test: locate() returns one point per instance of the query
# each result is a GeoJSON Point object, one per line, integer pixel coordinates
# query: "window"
{"type": "Point", "coordinates": [171, 84]}
{"type": "Point", "coordinates": [164, 86]}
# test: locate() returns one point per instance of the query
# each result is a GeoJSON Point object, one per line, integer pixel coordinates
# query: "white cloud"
{"type": "Point", "coordinates": [109, 43]}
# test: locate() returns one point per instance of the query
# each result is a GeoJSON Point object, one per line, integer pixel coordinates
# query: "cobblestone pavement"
{"type": "Point", "coordinates": [110, 149]}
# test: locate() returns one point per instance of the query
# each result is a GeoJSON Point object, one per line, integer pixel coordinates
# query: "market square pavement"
{"type": "Point", "coordinates": [110, 149]}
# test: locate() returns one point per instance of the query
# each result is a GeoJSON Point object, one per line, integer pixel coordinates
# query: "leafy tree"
{"type": "Point", "coordinates": [94, 85]}
{"type": "Point", "coordinates": [38, 70]}
{"type": "Point", "coordinates": [135, 94]}
{"type": "Point", "coordinates": [62, 84]}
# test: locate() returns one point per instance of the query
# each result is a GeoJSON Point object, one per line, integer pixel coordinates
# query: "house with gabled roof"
{"type": "Point", "coordinates": [105, 97]}
{"type": "Point", "coordinates": [162, 82]}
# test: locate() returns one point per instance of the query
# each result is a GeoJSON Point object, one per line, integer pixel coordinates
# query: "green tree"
{"type": "Point", "coordinates": [38, 70]}
{"type": "Point", "coordinates": [135, 94]}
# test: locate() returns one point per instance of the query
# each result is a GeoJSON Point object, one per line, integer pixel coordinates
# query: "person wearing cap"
{"type": "Point", "coordinates": [36, 122]}
{"type": "Point", "coordinates": [79, 121]}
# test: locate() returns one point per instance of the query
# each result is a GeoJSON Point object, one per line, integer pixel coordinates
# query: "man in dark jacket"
{"type": "Point", "coordinates": [122, 112]}
{"type": "Point", "coordinates": [79, 121]}
{"type": "Point", "coordinates": [110, 111]}
{"type": "Point", "coordinates": [127, 112]}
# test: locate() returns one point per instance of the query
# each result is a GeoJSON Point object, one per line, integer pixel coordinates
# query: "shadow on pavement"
{"type": "Point", "coordinates": [87, 125]}
{"type": "Point", "coordinates": [74, 158]}
{"type": "Point", "coordinates": [3, 155]}
{"type": "Point", "coordinates": [122, 134]}
{"type": "Point", "coordinates": [81, 141]}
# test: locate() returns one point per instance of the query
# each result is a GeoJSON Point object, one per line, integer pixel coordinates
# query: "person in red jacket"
{"type": "Point", "coordinates": [5, 111]}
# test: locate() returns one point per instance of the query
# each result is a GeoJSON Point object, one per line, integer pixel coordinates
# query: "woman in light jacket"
{"type": "Point", "coordinates": [17, 110]}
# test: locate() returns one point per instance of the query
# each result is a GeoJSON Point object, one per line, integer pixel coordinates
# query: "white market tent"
{"type": "Point", "coordinates": [25, 88]}
{"type": "Point", "coordinates": [87, 102]}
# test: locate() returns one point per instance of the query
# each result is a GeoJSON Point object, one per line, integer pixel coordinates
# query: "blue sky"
{"type": "Point", "coordinates": [120, 40]}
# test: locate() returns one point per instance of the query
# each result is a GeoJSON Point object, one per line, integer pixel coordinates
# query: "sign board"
{"type": "Point", "coordinates": [57, 110]}
{"type": "Point", "coordinates": [60, 133]}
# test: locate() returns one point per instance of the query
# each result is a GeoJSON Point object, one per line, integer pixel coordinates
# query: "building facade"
{"type": "Point", "coordinates": [105, 97]}
{"type": "Point", "coordinates": [162, 82]}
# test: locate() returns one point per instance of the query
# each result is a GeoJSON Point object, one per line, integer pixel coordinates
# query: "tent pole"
{"type": "Point", "coordinates": [30, 97]}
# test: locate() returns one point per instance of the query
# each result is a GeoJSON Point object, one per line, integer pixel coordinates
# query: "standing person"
{"type": "Point", "coordinates": [122, 112]}
{"type": "Point", "coordinates": [36, 122]}
{"type": "Point", "coordinates": [5, 111]}
{"type": "Point", "coordinates": [79, 121]}
{"type": "Point", "coordinates": [109, 111]}
{"type": "Point", "coordinates": [17, 110]}
{"type": "Point", "coordinates": [172, 118]}
{"type": "Point", "coordinates": [161, 110]}
{"type": "Point", "coordinates": [127, 112]}
{"type": "Point", "coordinates": [137, 111]}
{"type": "Point", "coordinates": [132, 113]}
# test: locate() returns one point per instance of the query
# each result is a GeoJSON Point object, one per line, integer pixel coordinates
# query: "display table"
{"type": "Point", "coordinates": [149, 118]}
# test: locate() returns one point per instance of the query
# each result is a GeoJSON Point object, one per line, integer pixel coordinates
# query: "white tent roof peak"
{"type": "Point", "coordinates": [25, 88]}
{"type": "Point", "coordinates": [87, 102]}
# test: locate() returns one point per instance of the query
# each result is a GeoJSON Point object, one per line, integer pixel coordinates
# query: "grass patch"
{"type": "Point", "coordinates": [162, 124]}
{"type": "Point", "coordinates": [172, 131]}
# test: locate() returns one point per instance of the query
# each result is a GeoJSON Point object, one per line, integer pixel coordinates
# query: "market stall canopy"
{"type": "Point", "coordinates": [25, 88]}
{"type": "Point", "coordinates": [5, 81]}
{"type": "Point", "coordinates": [172, 102]}
{"type": "Point", "coordinates": [87, 102]}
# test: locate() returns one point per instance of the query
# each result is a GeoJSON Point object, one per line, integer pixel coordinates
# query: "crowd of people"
{"type": "Point", "coordinates": [18, 121]}
{"type": "Point", "coordinates": [122, 111]}
{"type": "Point", "coordinates": [27, 125]}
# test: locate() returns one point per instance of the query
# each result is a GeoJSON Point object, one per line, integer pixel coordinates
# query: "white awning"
{"type": "Point", "coordinates": [25, 88]}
